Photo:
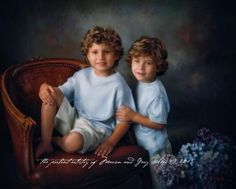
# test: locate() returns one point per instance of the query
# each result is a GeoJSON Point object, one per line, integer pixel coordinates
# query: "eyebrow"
{"type": "Point", "coordinates": [144, 60]}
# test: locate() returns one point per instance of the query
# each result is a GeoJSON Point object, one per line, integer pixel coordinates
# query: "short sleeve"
{"type": "Point", "coordinates": [125, 98]}
{"type": "Point", "coordinates": [68, 88]}
{"type": "Point", "coordinates": [158, 110]}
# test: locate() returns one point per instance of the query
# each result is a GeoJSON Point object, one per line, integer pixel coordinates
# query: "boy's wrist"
{"type": "Point", "coordinates": [111, 143]}
{"type": "Point", "coordinates": [134, 117]}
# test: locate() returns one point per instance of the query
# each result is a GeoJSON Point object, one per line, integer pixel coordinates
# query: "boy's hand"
{"type": "Point", "coordinates": [104, 149]}
{"type": "Point", "coordinates": [125, 114]}
{"type": "Point", "coordinates": [47, 93]}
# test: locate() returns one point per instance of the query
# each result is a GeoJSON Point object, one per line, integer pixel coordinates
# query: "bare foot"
{"type": "Point", "coordinates": [42, 149]}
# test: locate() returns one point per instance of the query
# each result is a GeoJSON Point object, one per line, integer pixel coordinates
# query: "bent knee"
{"type": "Point", "coordinates": [73, 144]}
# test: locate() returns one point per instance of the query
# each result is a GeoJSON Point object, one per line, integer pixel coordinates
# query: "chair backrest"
{"type": "Point", "coordinates": [22, 81]}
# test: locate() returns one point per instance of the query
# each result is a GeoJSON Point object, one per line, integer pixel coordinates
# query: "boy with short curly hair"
{"type": "Point", "coordinates": [100, 35]}
{"type": "Point", "coordinates": [96, 92]}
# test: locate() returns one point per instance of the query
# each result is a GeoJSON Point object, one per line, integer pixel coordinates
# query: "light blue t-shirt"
{"type": "Point", "coordinates": [97, 98]}
{"type": "Point", "coordinates": [152, 101]}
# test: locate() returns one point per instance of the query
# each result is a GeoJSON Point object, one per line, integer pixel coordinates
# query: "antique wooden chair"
{"type": "Point", "coordinates": [19, 86]}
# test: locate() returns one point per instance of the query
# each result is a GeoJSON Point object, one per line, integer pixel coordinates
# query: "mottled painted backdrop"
{"type": "Point", "coordinates": [199, 36]}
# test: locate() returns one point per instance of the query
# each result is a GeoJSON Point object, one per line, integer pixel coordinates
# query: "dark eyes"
{"type": "Point", "coordinates": [147, 63]}
{"type": "Point", "coordinates": [106, 52]}
{"type": "Point", "coordinates": [94, 52]}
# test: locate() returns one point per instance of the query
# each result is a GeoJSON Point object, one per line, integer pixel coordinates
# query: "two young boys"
{"type": "Point", "coordinates": [100, 95]}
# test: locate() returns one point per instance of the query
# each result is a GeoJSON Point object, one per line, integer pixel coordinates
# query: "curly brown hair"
{"type": "Point", "coordinates": [100, 35]}
{"type": "Point", "coordinates": [150, 46]}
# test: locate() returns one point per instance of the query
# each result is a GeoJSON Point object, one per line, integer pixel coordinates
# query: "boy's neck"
{"type": "Point", "coordinates": [149, 82]}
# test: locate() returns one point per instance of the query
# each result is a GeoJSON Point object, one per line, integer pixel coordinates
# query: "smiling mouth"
{"type": "Point", "coordinates": [141, 74]}
{"type": "Point", "coordinates": [101, 63]}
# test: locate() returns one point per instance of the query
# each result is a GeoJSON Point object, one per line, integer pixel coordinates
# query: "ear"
{"type": "Point", "coordinates": [86, 59]}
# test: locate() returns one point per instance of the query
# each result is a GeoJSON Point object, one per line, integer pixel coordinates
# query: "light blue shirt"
{"type": "Point", "coordinates": [152, 101]}
{"type": "Point", "coordinates": [97, 98]}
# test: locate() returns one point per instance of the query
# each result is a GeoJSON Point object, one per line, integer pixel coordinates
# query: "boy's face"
{"type": "Point", "coordinates": [102, 58]}
{"type": "Point", "coordinates": [144, 68]}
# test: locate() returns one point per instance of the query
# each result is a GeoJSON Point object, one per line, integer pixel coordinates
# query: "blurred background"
{"type": "Point", "coordinates": [199, 36]}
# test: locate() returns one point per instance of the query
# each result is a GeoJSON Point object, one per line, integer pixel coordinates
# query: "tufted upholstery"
{"type": "Point", "coordinates": [20, 85]}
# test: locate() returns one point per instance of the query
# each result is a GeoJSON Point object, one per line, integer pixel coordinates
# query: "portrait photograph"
{"type": "Point", "coordinates": [117, 94]}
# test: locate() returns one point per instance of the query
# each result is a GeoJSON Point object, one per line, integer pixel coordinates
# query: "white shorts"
{"type": "Point", "coordinates": [66, 121]}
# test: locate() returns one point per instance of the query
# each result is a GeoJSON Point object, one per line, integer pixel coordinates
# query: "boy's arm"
{"type": "Point", "coordinates": [125, 114]}
{"type": "Point", "coordinates": [107, 146]}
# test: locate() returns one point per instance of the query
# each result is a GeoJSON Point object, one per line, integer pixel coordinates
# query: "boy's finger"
{"type": "Point", "coordinates": [101, 152]}
{"type": "Point", "coordinates": [51, 89]}
{"type": "Point", "coordinates": [118, 113]}
{"type": "Point", "coordinates": [106, 151]}
{"type": "Point", "coordinates": [48, 99]}
{"type": "Point", "coordinates": [97, 150]}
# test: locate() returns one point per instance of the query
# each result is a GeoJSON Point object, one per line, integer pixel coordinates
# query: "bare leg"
{"type": "Point", "coordinates": [71, 143]}
{"type": "Point", "coordinates": [48, 112]}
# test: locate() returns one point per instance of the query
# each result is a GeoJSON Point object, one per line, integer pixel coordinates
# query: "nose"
{"type": "Point", "coordinates": [101, 55]}
{"type": "Point", "coordinates": [142, 66]}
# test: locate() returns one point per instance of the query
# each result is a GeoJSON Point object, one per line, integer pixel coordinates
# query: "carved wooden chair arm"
{"type": "Point", "coordinates": [21, 130]}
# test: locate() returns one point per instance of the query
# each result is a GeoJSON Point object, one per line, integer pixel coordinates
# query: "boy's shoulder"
{"type": "Point", "coordinates": [83, 71]}
{"type": "Point", "coordinates": [120, 79]}
{"type": "Point", "coordinates": [160, 89]}
{"type": "Point", "coordinates": [155, 89]}
{"type": "Point", "coordinates": [122, 85]}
